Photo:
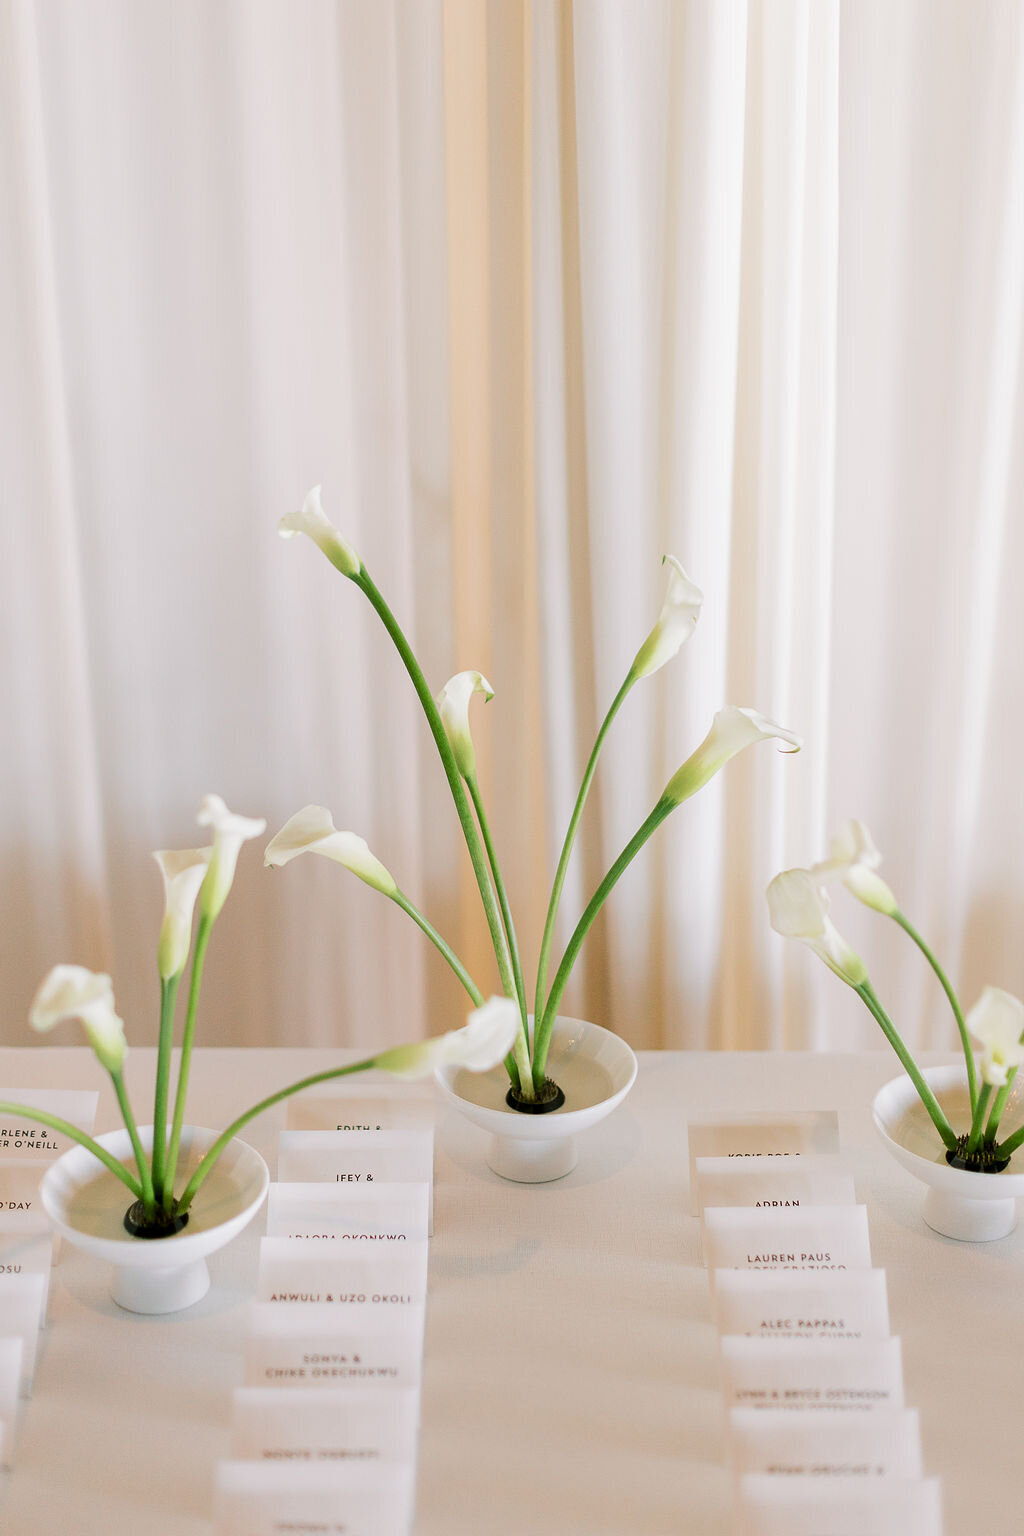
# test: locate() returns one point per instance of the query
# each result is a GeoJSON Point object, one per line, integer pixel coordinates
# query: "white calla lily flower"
{"type": "Point", "coordinates": [313, 521]}
{"type": "Point", "coordinates": [229, 833]}
{"type": "Point", "coordinates": [312, 830]}
{"type": "Point", "coordinates": [853, 858]}
{"type": "Point", "coordinates": [997, 1022]}
{"type": "Point", "coordinates": [799, 910]}
{"type": "Point", "coordinates": [483, 1042]}
{"type": "Point", "coordinates": [453, 704]}
{"type": "Point", "coordinates": [183, 870]}
{"type": "Point", "coordinates": [732, 729]}
{"type": "Point", "coordinates": [73, 992]}
{"type": "Point", "coordinates": [676, 622]}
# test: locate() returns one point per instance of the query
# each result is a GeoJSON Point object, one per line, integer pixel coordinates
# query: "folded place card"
{"type": "Point", "coordinates": [806, 1443]}
{"type": "Point", "coordinates": [26, 1248]}
{"type": "Point", "coordinates": [825, 1237]}
{"type": "Point", "coordinates": [778, 1506]}
{"type": "Point", "coordinates": [802, 1304]}
{"type": "Point", "coordinates": [359, 1215]}
{"type": "Point", "coordinates": [761, 1133]}
{"type": "Point", "coordinates": [352, 1158]}
{"type": "Point", "coordinates": [19, 1189]}
{"type": "Point", "coordinates": [340, 1425]}
{"type": "Point", "coordinates": [257, 1498]}
{"type": "Point", "coordinates": [21, 1137]}
{"type": "Point", "coordinates": [11, 1350]}
{"type": "Point", "coordinates": [365, 1107]}
{"type": "Point", "coordinates": [293, 1271]}
{"type": "Point", "coordinates": [324, 1346]}
{"type": "Point", "coordinates": [22, 1299]}
{"type": "Point", "coordinates": [857, 1376]}
{"type": "Point", "coordinates": [778, 1184]}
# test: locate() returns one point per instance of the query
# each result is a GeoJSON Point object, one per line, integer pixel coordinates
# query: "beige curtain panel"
{"type": "Point", "coordinates": [539, 292]}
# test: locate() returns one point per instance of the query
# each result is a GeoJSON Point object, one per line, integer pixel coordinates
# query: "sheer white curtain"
{"type": "Point", "coordinates": [539, 292]}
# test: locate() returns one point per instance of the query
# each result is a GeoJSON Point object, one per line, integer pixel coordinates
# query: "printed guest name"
{"type": "Point", "coordinates": [790, 1258]}
{"type": "Point", "coordinates": [357, 1298]}
{"type": "Point", "coordinates": [330, 1373]}
{"type": "Point", "coordinates": [816, 1324]}
{"type": "Point", "coordinates": [27, 1140]}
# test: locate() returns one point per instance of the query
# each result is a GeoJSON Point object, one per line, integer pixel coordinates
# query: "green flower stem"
{"type": "Point", "coordinates": [145, 1178]}
{"type": "Point", "coordinates": [204, 1167]}
{"type": "Point", "coordinates": [1010, 1145]}
{"type": "Point", "coordinates": [928, 1099]}
{"type": "Point", "coordinates": [978, 1118]}
{"type": "Point", "coordinates": [184, 1066]}
{"type": "Point", "coordinates": [401, 900]}
{"type": "Point", "coordinates": [954, 1002]}
{"type": "Point", "coordinates": [74, 1134]}
{"type": "Point", "coordinates": [542, 1032]}
{"type": "Point", "coordinates": [447, 756]}
{"type": "Point", "coordinates": [999, 1104]}
{"type": "Point", "coordinates": [168, 997]}
{"type": "Point", "coordinates": [567, 846]}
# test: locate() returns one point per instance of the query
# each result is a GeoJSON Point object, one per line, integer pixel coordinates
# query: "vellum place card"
{"type": "Point", "coordinates": [26, 1248]}
{"type": "Point", "coordinates": [22, 1299]}
{"type": "Point", "coordinates": [21, 1137]}
{"type": "Point", "coordinates": [19, 1189]}
{"type": "Point", "coordinates": [780, 1506]}
{"type": "Point", "coordinates": [324, 1346]}
{"type": "Point", "coordinates": [805, 1443]}
{"type": "Point", "coordinates": [291, 1271]}
{"type": "Point", "coordinates": [358, 1215]}
{"type": "Point", "coordinates": [778, 1184]}
{"type": "Point", "coordinates": [855, 1376]}
{"type": "Point", "coordinates": [761, 1133]}
{"type": "Point", "coordinates": [340, 1426]}
{"type": "Point", "coordinates": [366, 1107]}
{"type": "Point", "coordinates": [256, 1498]}
{"type": "Point", "coordinates": [802, 1304]}
{"type": "Point", "coordinates": [11, 1351]}
{"type": "Point", "coordinates": [352, 1158]}
{"type": "Point", "coordinates": [823, 1237]}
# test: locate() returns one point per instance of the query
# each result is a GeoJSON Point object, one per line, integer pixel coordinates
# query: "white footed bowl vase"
{"type": "Point", "coordinates": [973, 1207]}
{"type": "Point", "coordinates": [595, 1070]}
{"type": "Point", "coordinates": [86, 1204]}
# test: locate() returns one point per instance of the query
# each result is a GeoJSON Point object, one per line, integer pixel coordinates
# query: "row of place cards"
{"type": "Point", "coordinates": [325, 1430]}
{"type": "Point", "coordinates": [820, 1439]}
{"type": "Point", "coordinates": [27, 1149]}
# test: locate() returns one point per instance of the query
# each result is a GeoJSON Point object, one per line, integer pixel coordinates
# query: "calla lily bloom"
{"type": "Point", "coordinates": [853, 858]}
{"type": "Point", "coordinates": [731, 730]}
{"type": "Point", "coordinates": [73, 992]}
{"type": "Point", "coordinates": [997, 1022]}
{"type": "Point", "coordinates": [483, 1042]}
{"type": "Point", "coordinates": [184, 870]}
{"type": "Point", "coordinates": [229, 833]}
{"type": "Point", "coordinates": [799, 910]}
{"type": "Point", "coordinates": [312, 830]}
{"type": "Point", "coordinates": [453, 704]}
{"type": "Point", "coordinates": [316, 525]}
{"type": "Point", "coordinates": [676, 622]}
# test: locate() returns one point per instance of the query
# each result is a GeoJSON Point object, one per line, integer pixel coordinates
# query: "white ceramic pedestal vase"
{"type": "Point", "coordinates": [973, 1207]}
{"type": "Point", "coordinates": [86, 1204]}
{"type": "Point", "coordinates": [595, 1070]}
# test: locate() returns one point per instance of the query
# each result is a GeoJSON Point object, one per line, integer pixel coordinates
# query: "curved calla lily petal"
{"type": "Point", "coordinates": [997, 1022]}
{"type": "Point", "coordinates": [229, 833]}
{"type": "Point", "coordinates": [313, 521]}
{"type": "Point", "coordinates": [312, 830]}
{"type": "Point", "coordinates": [853, 858]}
{"type": "Point", "coordinates": [73, 992]}
{"type": "Point", "coordinates": [732, 729]}
{"type": "Point", "coordinates": [184, 870]}
{"type": "Point", "coordinates": [676, 622]}
{"type": "Point", "coordinates": [480, 1044]}
{"type": "Point", "coordinates": [453, 704]}
{"type": "Point", "coordinates": [799, 910]}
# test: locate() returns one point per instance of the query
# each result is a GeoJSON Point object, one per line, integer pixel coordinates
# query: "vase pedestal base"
{"type": "Point", "coordinates": [531, 1162]}
{"type": "Point", "coordinates": [169, 1289]}
{"type": "Point", "coordinates": [969, 1221]}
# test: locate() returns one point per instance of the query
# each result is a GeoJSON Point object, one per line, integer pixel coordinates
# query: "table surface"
{"type": "Point", "coordinates": [570, 1356]}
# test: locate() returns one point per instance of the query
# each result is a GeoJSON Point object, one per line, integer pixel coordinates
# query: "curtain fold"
{"type": "Point", "coordinates": [539, 292]}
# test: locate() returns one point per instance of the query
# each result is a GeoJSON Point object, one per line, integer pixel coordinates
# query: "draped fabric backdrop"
{"type": "Point", "coordinates": [538, 292]}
